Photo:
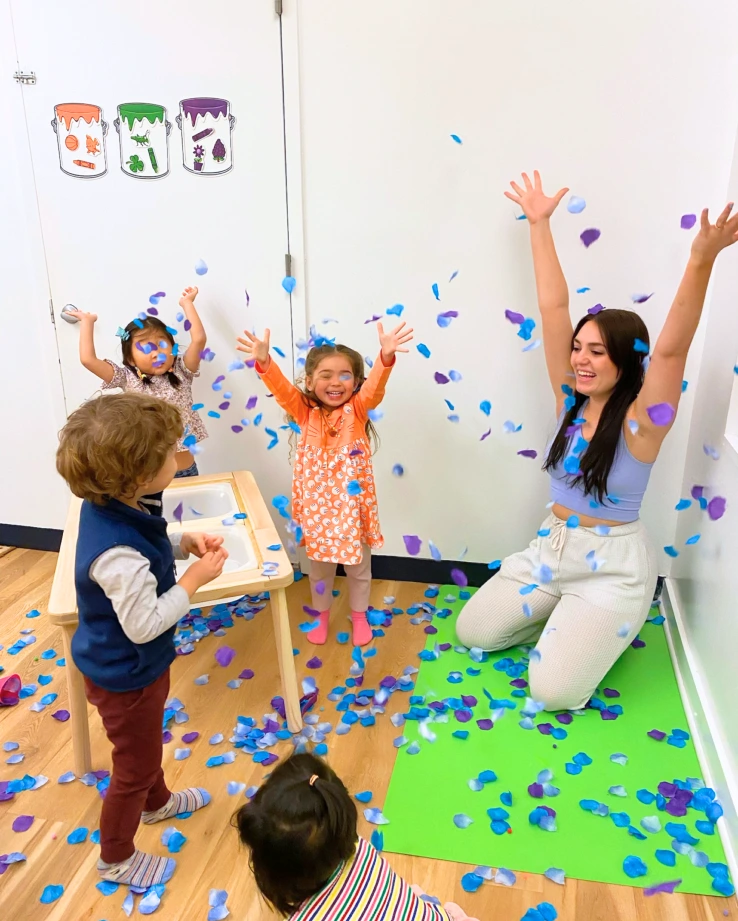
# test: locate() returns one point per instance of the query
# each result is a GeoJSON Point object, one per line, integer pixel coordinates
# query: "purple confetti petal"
{"type": "Point", "coordinates": [485, 724]}
{"type": "Point", "coordinates": [688, 221]}
{"type": "Point", "coordinates": [412, 544]}
{"type": "Point", "coordinates": [544, 728]}
{"type": "Point", "coordinates": [22, 823]}
{"type": "Point", "coordinates": [513, 317]}
{"type": "Point", "coordinates": [661, 413]}
{"type": "Point", "coordinates": [178, 512]}
{"type": "Point", "coordinates": [564, 718]}
{"type": "Point", "coordinates": [166, 737]}
{"type": "Point", "coordinates": [190, 737]}
{"type": "Point", "coordinates": [224, 656]}
{"type": "Point", "coordinates": [61, 715]}
{"type": "Point", "coordinates": [430, 629]}
{"type": "Point", "coordinates": [657, 734]}
{"type": "Point", "coordinates": [247, 674]}
{"type": "Point", "coordinates": [638, 643]}
{"type": "Point", "coordinates": [529, 452]}
{"type": "Point", "coordinates": [716, 508]}
{"type": "Point", "coordinates": [610, 692]}
{"type": "Point", "coordinates": [608, 714]}
{"type": "Point", "coordinates": [536, 790]}
{"type": "Point", "coordinates": [440, 378]}
{"type": "Point", "coordinates": [459, 578]}
{"type": "Point", "coordinates": [463, 716]}
{"type": "Point", "coordinates": [469, 700]}
{"type": "Point", "coordinates": [315, 662]}
{"type": "Point", "coordinates": [667, 789]}
{"type": "Point", "coordinates": [663, 887]}
{"type": "Point", "coordinates": [590, 236]}
{"type": "Point", "coordinates": [593, 311]}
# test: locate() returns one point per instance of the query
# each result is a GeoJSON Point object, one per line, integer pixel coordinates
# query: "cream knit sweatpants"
{"type": "Point", "coordinates": [600, 587]}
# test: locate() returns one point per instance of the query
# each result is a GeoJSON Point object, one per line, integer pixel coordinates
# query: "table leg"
{"type": "Point", "coordinates": [77, 707]}
{"type": "Point", "coordinates": [287, 671]}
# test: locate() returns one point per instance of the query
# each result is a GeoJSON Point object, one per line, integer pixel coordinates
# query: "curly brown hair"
{"type": "Point", "coordinates": [113, 444]}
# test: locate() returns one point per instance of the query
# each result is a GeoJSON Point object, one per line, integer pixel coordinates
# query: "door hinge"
{"type": "Point", "coordinates": [287, 264]}
{"type": "Point", "coordinates": [27, 78]}
{"type": "Point", "coordinates": [51, 311]}
{"type": "Point", "coordinates": [278, 7]}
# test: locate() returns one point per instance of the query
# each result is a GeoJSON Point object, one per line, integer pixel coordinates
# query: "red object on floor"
{"type": "Point", "coordinates": [10, 690]}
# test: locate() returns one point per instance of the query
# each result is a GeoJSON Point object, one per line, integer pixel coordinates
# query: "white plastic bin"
{"type": "Point", "coordinates": [237, 542]}
{"type": "Point", "coordinates": [212, 500]}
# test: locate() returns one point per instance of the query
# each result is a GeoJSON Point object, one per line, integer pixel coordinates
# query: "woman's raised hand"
{"type": "Point", "coordinates": [714, 237]}
{"type": "Point", "coordinates": [536, 205]}
{"type": "Point", "coordinates": [255, 347]}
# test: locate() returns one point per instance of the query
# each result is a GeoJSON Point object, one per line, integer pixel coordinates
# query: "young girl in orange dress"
{"type": "Point", "coordinates": [333, 496]}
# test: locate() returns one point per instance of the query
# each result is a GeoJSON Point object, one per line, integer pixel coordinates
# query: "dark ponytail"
{"type": "Point", "coordinates": [619, 329]}
{"type": "Point", "coordinates": [300, 827]}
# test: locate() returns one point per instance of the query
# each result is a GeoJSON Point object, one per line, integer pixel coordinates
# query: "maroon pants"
{"type": "Point", "coordinates": [133, 723]}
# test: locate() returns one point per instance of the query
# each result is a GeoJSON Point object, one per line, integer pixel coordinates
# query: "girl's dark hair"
{"type": "Point", "coordinates": [157, 327]}
{"type": "Point", "coordinates": [619, 330]}
{"type": "Point", "coordinates": [298, 833]}
{"type": "Point", "coordinates": [314, 358]}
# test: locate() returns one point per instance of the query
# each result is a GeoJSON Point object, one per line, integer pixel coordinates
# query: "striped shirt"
{"type": "Point", "coordinates": [366, 888]}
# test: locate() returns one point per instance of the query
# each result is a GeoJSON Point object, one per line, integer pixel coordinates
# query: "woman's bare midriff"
{"type": "Point", "coordinates": [184, 460]}
{"type": "Point", "coordinates": [585, 521]}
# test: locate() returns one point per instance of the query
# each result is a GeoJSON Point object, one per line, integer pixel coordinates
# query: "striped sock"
{"type": "Point", "coordinates": [188, 800]}
{"type": "Point", "coordinates": [140, 870]}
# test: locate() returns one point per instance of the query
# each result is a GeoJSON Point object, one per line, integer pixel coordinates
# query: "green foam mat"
{"type": "Point", "coordinates": [427, 789]}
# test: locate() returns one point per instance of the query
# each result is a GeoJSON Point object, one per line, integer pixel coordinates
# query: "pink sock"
{"type": "Point", "coordinates": [319, 634]}
{"type": "Point", "coordinates": [362, 631]}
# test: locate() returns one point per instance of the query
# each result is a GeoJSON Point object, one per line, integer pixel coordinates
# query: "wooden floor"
{"type": "Point", "coordinates": [211, 858]}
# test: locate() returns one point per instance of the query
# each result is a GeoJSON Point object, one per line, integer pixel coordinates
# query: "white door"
{"type": "Point", "coordinates": [32, 409]}
{"type": "Point", "coordinates": [157, 143]}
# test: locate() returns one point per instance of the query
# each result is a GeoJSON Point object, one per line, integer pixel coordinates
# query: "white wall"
{"type": "Point", "coordinates": [31, 400]}
{"type": "Point", "coordinates": [703, 581]}
{"type": "Point", "coordinates": [634, 106]}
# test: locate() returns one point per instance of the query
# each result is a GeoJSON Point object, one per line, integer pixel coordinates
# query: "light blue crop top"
{"type": "Point", "coordinates": [626, 483]}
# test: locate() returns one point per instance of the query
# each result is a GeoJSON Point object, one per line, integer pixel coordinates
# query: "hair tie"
{"type": "Point", "coordinates": [313, 779]}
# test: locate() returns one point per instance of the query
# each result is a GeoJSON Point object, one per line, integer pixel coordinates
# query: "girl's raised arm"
{"type": "Point", "coordinates": [663, 380]}
{"type": "Point", "coordinates": [198, 336]}
{"type": "Point", "coordinates": [289, 397]}
{"type": "Point", "coordinates": [551, 287]}
{"type": "Point", "coordinates": [87, 354]}
{"type": "Point", "coordinates": [372, 390]}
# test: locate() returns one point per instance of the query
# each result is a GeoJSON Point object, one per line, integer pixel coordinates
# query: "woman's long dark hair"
{"type": "Point", "coordinates": [619, 329]}
{"type": "Point", "coordinates": [298, 832]}
{"type": "Point", "coordinates": [159, 329]}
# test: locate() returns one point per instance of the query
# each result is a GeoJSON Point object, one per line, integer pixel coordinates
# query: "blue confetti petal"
{"type": "Point", "coordinates": [434, 289]}
{"type": "Point", "coordinates": [470, 882]}
{"type": "Point", "coordinates": [375, 816]}
{"type": "Point", "coordinates": [377, 840]}
{"type": "Point", "coordinates": [288, 283]}
{"type": "Point", "coordinates": [423, 349]}
{"type": "Point", "coordinates": [78, 835]}
{"type": "Point", "coordinates": [634, 867]}
{"type": "Point", "coordinates": [363, 797]}
{"type": "Point", "coordinates": [457, 140]}
{"type": "Point", "coordinates": [51, 894]}
{"type": "Point", "coordinates": [461, 820]}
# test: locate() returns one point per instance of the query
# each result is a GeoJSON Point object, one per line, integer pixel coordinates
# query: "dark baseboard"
{"type": "Point", "coordinates": [19, 535]}
{"type": "Point", "coordinates": [412, 569]}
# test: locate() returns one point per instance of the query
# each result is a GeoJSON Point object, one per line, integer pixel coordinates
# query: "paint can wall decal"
{"type": "Point", "coordinates": [143, 133]}
{"type": "Point", "coordinates": [206, 124]}
{"type": "Point", "coordinates": [80, 135]}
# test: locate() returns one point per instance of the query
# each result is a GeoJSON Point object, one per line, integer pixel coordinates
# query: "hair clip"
{"type": "Point", "coordinates": [313, 779]}
{"type": "Point", "coordinates": [122, 334]}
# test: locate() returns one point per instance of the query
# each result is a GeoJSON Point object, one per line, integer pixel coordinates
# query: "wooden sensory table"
{"type": "Point", "coordinates": [261, 532]}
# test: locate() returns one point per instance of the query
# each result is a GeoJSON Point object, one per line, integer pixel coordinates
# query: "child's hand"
{"type": "Point", "coordinates": [535, 204]}
{"type": "Point", "coordinates": [255, 348]}
{"type": "Point", "coordinates": [209, 567]}
{"type": "Point", "coordinates": [200, 544]}
{"type": "Point", "coordinates": [188, 297]}
{"type": "Point", "coordinates": [82, 315]}
{"type": "Point", "coordinates": [714, 237]}
{"type": "Point", "coordinates": [391, 342]}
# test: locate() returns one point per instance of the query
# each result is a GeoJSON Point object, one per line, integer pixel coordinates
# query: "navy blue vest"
{"type": "Point", "coordinates": [100, 648]}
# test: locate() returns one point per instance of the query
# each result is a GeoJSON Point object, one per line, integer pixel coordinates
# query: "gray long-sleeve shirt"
{"type": "Point", "coordinates": [125, 577]}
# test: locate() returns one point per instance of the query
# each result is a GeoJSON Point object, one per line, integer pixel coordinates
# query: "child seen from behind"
{"type": "Point", "coordinates": [308, 861]}
{"type": "Point", "coordinates": [333, 496]}
{"type": "Point", "coordinates": [113, 451]}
